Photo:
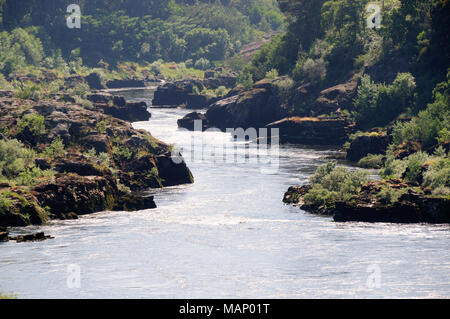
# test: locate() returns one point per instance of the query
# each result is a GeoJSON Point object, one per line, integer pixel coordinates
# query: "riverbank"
{"type": "Point", "coordinates": [61, 160]}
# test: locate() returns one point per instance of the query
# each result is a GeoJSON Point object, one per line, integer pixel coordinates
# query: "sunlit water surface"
{"type": "Point", "coordinates": [228, 235]}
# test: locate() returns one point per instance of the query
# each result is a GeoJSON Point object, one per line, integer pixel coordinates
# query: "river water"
{"type": "Point", "coordinates": [228, 235]}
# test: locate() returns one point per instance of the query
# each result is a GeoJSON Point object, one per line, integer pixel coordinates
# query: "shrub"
{"type": "Point", "coordinates": [55, 148]}
{"type": "Point", "coordinates": [431, 126]}
{"type": "Point", "coordinates": [331, 183]}
{"type": "Point", "coordinates": [272, 74]}
{"type": "Point", "coordinates": [414, 164]}
{"type": "Point", "coordinates": [202, 64]}
{"type": "Point", "coordinates": [437, 175]}
{"type": "Point", "coordinates": [221, 91]}
{"type": "Point", "coordinates": [371, 161]}
{"type": "Point", "coordinates": [310, 70]}
{"type": "Point", "coordinates": [245, 79]}
{"type": "Point", "coordinates": [14, 158]}
{"type": "Point", "coordinates": [388, 195]}
{"type": "Point", "coordinates": [27, 91]}
{"type": "Point", "coordinates": [33, 122]}
{"type": "Point", "coordinates": [31, 176]}
{"type": "Point", "coordinates": [378, 104]}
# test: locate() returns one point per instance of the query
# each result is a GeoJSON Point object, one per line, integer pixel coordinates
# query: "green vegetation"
{"type": "Point", "coordinates": [371, 161]}
{"type": "Point", "coordinates": [432, 125]}
{"type": "Point", "coordinates": [427, 171]}
{"type": "Point", "coordinates": [379, 104]}
{"type": "Point", "coordinates": [8, 296]}
{"type": "Point", "coordinates": [117, 31]}
{"type": "Point", "coordinates": [17, 165]}
{"type": "Point", "coordinates": [33, 122]}
{"type": "Point", "coordinates": [331, 183]}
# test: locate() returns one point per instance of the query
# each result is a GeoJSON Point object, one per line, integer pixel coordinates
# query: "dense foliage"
{"type": "Point", "coordinates": [328, 42]}
{"type": "Point", "coordinates": [175, 30]}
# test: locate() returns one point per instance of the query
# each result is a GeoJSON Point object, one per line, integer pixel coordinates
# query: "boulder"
{"type": "Point", "coordinates": [337, 97]}
{"type": "Point", "coordinates": [254, 108]}
{"type": "Point", "coordinates": [313, 130]}
{"type": "Point", "coordinates": [188, 121]}
{"type": "Point", "coordinates": [95, 81]}
{"type": "Point", "coordinates": [363, 145]}
{"type": "Point", "coordinates": [103, 98]}
{"type": "Point", "coordinates": [118, 84]}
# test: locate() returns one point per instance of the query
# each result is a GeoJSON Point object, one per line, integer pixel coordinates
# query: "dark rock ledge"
{"type": "Point", "coordinates": [412, 207]}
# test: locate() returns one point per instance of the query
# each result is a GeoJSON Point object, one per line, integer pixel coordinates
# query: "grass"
{"type": "Point", "coordinates": [8, 296]}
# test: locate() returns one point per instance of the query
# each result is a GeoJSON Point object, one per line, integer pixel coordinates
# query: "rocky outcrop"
{"type": "Point", "coordinates": [95, 81]}
{"type": "Point", "coordinates": [185, 92]}
{"type": "Point", "coordinates": [372, 143]}
{"type": "Point", "coordinates": [254, 108]}
{"type": "Point", "coordinates": [313, 130]}
{"type": "Point", "coordinates": [188, 121]}
{"type": "Point", "coordinates": [84, 184]}
{"type": "Point", "coordinates": [118, 107]}
{"type": "Point", "coordinates": [118, 84]}
{"type": "Point", "coordinates": [336, 98]}
{"type": "Point", "coordinates": [367, 206]}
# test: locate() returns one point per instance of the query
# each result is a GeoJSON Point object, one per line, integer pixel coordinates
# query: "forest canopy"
{"type": "Point", "coordinates": [143, 30]}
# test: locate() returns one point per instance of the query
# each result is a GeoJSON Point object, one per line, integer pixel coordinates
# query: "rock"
{"type": "Point", "coordinates": [175, 93]}
{"type": "Point", "coordinates": [184, 92]}
{"type": "Point", "coordinates": [173, 171]}
{"type": "Point", "coordinates": [197, 101]}
{"type": "Point", "coordinates": [43, 163]}
{"type": "Point", "coordinates": [23, 211]}
{"type": "Point", "coordinates": [131, 111]}
{"type": "Point", "coordinates": [32, 237]}
{"type": "Point", "coordinates": [254, 108]}
{"type": "Point", "coordinates": [119, 101]}
{"type": "Point", "coordinates": [367, 206]}
{"type": "Point", "coordinates": [209, 74]}
{"type": "Point", "coordinates": [188, 121]}
{"type": "Point", "coordinates": [94, 81]}
{"type": "Point", "coordinates": [363, 145]}
{"type": "Point", "coordinates": [407, 148]}
{"type": "Point", "coordinates": [294, 195]}
{"type": "Point", "coordinates": [323, 131]}
{"type": "Point", "coordinates": [337, 97]}
{"type": "Point", "coordinates": [80, 165]}
{"type": "Point", "coordinates": [99, 142]}
{"type": "Point", "coordinates": [83, 184]}
{"type": "Point", "coordinates": [103, 98]}
{"type": "Point", "coordinates": [411, 208]}
{"type": "Point", "coordinates": [118, 84]}
{"type": "Point", "coordinates": [132, 202]}
{"type": "Point", "coordinates": [3, 236]}
{"type": "Point", "coordinates": [5, 93]}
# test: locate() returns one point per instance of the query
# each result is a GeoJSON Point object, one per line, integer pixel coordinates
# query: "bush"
{"type": "Point", "coordinates": [437, 176]}
{"type": "Point", "coordinates": [310, 70]}
{"type": "Point", "coordinates": [431, 126]}
{"type": "Point", "coordinates": [33, 122]}
{"type": "Point", "coordinates": [14, 158]}
{"type": "Point", "coordinates": [414, 164]}
{"type": "Point", "coordinates": [245, 79]}
{"type": "Point", "coordinates": [388, 195]}
{"type": "Point", "coordinates": [331, 183]}
{"type": "Point", "coordinates": [55, 148]}
{"type": "Point", "coordinates": [371, 161]}
{"type": "Point", "coordinates": [272, 74]}
{"type": "Point", "coordinates": [378, 104]}
{"type": "Point", "coordinates": [27, 91]}
{"type": "Point", "coordinates": [202, 64]}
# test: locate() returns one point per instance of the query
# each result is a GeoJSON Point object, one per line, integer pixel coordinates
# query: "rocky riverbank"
{"type": "Point", "coordinates": [413, 206]}
{"type": "Point", "coordinates": [81, 160]}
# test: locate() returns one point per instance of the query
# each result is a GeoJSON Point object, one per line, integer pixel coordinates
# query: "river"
{"type": "Point", "coordinates": [228, 235]}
